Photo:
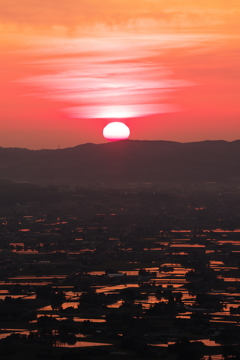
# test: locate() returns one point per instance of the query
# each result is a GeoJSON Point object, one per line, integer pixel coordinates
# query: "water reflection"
{"type": "Point", "coordinates": [80, 344]}
{"type": "Point", "coordinates": [164, 274]}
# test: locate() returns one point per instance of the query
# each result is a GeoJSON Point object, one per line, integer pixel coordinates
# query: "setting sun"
{"type": "Point", "coordinates": [116, 131]}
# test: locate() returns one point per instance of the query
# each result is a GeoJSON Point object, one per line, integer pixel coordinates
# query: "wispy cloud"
{"type": "Point", "coordinates": [120, 111]}
{"type": "Point", "coordinates": [111, 56]}
{"type": "Point", "coordinates": [114, 71]}
{"type": "Point", "coordinates": [147, 13]}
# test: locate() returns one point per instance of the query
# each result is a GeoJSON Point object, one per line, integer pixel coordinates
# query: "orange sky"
{"type": "Point", "coordinates": [168, 69]}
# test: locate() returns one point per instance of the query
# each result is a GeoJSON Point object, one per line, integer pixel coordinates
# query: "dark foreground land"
{"type": "Point", "coordinates": [112, 274]}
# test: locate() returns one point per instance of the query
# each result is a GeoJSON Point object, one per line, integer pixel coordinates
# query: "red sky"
{"type": "Point", "coordinates": [168, 69]}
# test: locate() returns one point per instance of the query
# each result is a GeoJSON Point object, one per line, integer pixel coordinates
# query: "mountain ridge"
{"type": "Point", "coordinates": [139, 161]}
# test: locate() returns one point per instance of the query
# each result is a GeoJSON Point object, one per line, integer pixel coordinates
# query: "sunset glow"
{"type": "Point", "coordinates": [170, 68]}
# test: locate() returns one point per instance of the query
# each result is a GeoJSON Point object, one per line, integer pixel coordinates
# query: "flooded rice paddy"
{"type": "Point", "coordinates": [172, 273]}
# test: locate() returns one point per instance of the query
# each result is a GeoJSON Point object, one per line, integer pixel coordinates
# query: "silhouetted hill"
{"type": "Point", "coordinates": [125, 161]}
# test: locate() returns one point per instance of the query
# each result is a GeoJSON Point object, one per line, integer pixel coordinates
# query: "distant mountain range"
{"type": "Point", "coordinates": [128, 161]}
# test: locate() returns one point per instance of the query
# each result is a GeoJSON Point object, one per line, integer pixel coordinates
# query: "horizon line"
{"type": "Point", "coordinates": [117, 141]}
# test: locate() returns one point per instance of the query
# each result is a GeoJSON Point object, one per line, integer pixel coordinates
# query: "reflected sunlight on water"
{"type": "Point", "coordinates": [80, 344]}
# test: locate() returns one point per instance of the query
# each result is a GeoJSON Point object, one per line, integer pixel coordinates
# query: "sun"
{"type": "Point", "coordinates": [116, 131]}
